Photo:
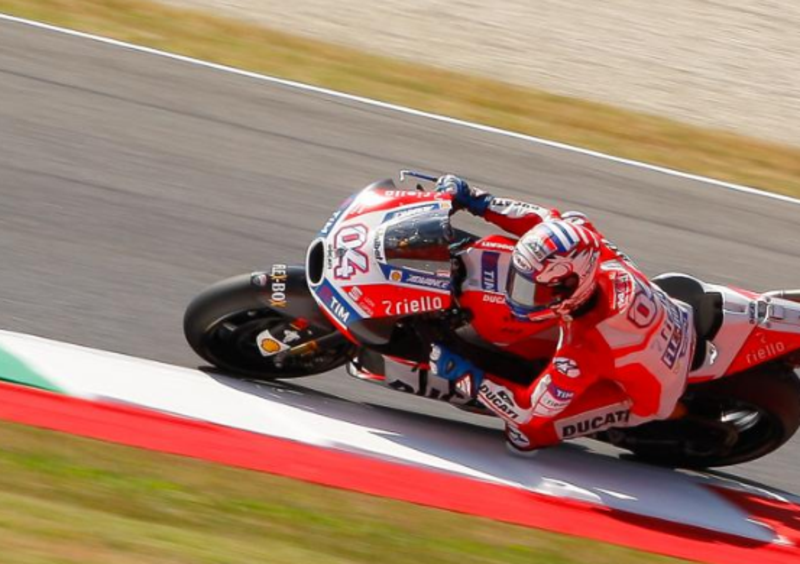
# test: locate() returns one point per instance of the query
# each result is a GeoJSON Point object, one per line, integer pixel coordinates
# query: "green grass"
{"type": "Point", "coordinates": [596, 126]}
{"type": "Point", "coordinates": [66, 499]}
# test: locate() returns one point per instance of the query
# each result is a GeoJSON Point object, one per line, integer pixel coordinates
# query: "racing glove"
{"type": "Point", "coordinates": [453, 367]}
{"type": "Point", "coordinates": [464, 196]}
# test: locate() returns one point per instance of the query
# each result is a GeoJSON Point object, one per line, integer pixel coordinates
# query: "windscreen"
{"type": "Point", "coordinates": [421, 242]}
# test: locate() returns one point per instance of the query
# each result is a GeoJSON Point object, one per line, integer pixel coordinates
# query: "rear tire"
{"type": "Point", "coordinates": [763, 405]}
{"type": "Point", "coordinates": [221, 325]}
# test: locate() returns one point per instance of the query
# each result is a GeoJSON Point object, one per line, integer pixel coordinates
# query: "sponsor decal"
{"type": "Point", "coordinates": [440, 283]}
{"type": "Point", "coordinates": [363, 301]}
{"type": "Point", "coordinates": [677, 341]}
{"type": "Point", "coordinates": [560, 393]}
{"type": "Point", "coordinates": [592, 422]}
{"type": "Point", "coordinates": [548, 400]}
{"type": "Point", "coordinates": [516, 209]}
{"type": "Point", "coordinates": [489, 260]}
{"type": "Point", "coordinates": [412, 305]}
{"type": "Point", "coordinates": [765, 351]}
{"type": "Point", "coordinates": [290, 336]}
{"type": "Point", "coordinates": [540, 250]}
{"type": "Point", "coordinates": [566, 366]}
{"type": "Point", "coordinates": [494, 298]}
{"type": "Point", "coordinates": [499, 204]}
{"type": "Point", "coordinates": [500, 400]}
{"type": "Point", "coordinates": [495, 245]}
{"type": "Point", "coordinates": [350, 258]}
{"type": "Point", "coordinates": [463, 386]}
{"type": "Point", "coordinates": [517, 437]}
{"type": "Point", "coordinates": [416, 210]}
{"type": "Point", "coordinates": [332, 220]}
{"type": "Point", "coordinates": [521, 263]}
{"type": "Point", "coordinates": [339, 310]}
{"type": "Point", "coordinates": [335, 304]}
{"type": "Point", "coordinates": [377, 245]}
{"type": "Point", "coordinates": [330, 254]}
{"type": "Point", "coordinates": [278, 277]}
{"type": "Point", "coordinates": [269, 345]}
{"type": "Point", "coordinates": [411, 194]}
{"type": "Point", "coordinates": [259, 279]}
{"type": "Point", "coordinates": [675, 335]}
{"type": "Point", "coordinates": [622, 290]}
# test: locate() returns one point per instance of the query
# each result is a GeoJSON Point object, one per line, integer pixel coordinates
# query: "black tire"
{"type": "Point", "coordinates": [222, 322]}
{"type": "Point", "coordinates": [763, 404]}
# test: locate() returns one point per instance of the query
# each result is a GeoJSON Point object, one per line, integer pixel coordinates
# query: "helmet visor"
{"type": "Point", "coordinates": [525, 296]}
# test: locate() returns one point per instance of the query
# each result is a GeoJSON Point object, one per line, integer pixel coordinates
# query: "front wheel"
{"type": "Point", "coordinates": [223, 323]}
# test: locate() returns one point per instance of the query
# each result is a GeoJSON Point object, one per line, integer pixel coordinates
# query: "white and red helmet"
{"type": "Point", "coordinates": [555, 267]}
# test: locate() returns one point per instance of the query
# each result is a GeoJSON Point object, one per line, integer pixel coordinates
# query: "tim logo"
{"type": "Point", "coordinates": [349, 256]}
{"type": "Point", "coordinates": [489, 262]}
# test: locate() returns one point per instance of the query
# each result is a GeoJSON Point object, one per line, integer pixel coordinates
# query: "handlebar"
{"type": "Point", "coordinates": [415, 174]}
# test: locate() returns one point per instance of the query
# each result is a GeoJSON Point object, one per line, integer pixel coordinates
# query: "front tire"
{"type": "Point", "coordinates": [222, 323]}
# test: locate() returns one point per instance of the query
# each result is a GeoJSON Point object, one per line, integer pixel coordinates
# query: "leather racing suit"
{"type": "Point", "coordinates": [622, 358]}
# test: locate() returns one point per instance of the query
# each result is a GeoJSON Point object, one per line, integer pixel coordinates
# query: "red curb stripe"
{"type": "Point", "coordinates": [783, 518]}
{"type": "Point", "coordinates": [152, 430]}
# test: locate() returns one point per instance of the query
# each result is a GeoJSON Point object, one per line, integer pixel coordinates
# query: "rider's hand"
{"type": "Point", "coordinates": [453, 367]}
{"type": "Point", "coordinates": [464, 196]}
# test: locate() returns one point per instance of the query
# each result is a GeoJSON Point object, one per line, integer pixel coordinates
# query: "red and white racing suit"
{"type": "Point", "coordinates": [622, 359]}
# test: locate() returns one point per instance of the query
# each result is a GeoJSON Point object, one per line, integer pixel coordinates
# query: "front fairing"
{"type": "Point", "coordinates": [383, 255]}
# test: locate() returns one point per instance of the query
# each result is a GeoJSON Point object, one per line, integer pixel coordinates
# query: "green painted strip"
{"type": "Point", "coordinates": [14, 370]}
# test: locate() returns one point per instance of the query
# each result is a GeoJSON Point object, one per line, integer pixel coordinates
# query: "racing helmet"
{"type": "Point", "coordinates": [554, 266]}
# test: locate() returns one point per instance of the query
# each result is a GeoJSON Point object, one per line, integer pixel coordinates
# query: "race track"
{"type": "Point", "coordinates": [130, 181]}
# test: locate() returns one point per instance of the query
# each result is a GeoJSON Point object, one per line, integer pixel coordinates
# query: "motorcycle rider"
{"type": "Point", "coordinates": [625, 347]}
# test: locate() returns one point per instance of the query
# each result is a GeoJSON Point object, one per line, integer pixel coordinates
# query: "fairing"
{"type": "Point", "coordinates": [756, 329]}
{"type": "Point", "coordinates": [384, 255]}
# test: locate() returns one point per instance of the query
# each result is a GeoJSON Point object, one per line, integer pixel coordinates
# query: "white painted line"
{"type": "Point", "coordinates": [403, 109]}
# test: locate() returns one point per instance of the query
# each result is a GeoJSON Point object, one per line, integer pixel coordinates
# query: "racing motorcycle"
{"type": "Point", "coordinates": [388, 274]}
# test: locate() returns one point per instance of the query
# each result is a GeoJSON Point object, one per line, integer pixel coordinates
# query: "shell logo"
{"type": "Point", "coordinates": [396, 276]}
{"type": "Point", "coordinates": [270, 346]}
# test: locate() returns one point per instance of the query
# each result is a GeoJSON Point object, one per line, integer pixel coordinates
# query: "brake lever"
{"type": "Point", "coordinates": [415, 174]}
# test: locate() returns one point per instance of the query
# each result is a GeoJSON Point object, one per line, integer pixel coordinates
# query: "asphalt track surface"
{"type": "Point", "coordinates": [130, 181]}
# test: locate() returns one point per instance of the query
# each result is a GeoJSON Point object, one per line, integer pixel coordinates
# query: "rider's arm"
{"type": "Point", "coordinates": [575, 366]}
{"type": "Point", "coordinates": [510, 215]}
{"type": "Point", "coordinates": [516, 217]}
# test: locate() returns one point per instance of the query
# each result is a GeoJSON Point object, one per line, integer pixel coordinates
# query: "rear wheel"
{"type": "Point", "coordinates": [732, 420]}
{"type": "Point", "coordinates": [223, 323]}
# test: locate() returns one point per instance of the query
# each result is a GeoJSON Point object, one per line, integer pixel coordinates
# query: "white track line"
{"type": "Point", "coordinates": [410, 111]}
